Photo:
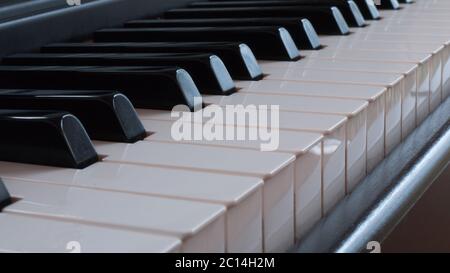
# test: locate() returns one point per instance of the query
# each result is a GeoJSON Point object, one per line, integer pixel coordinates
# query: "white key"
{"type": "Point", "coordinates": [412, 23]}
{"type": "Point", "coordinates": [418, 13]}
{"type": "Point", "coordinates": [198, 225]}
{"type": "Point", "coordinates": [241, 195]}
{"type": "Point", "coordinates": [277, 170]}
{"type": "Point", "coordinates": [352, 72]}
{"type": "Point", "coordinates": [416, 82]}
{"type": "Point", "coordinates": [439, 58]}
{"type": "Point", "coordinates": [305, 146]}
{"type": "Point", "coordinates": [383, 112]}
{"type": "Point", "coordinates": [333, 155]}
{"type": "Point", "coordinates": [22, 233]}
{"type": "Point", "coordinates": [433, 9]}
{"type": "Point", "coordinates": [429, 34]}
{"type": "Point", "coordinates": [390, 17]}
{"type": "Point", "coordinates": [354, 110]}
{"type": "Point", "coordinates": [426, 4]}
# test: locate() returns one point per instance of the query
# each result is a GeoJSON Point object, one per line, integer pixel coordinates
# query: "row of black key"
{"type": "Point", "coordinates": [326, 20]}
{"type": "Point", "coordinates": [301, 30]}
{"type": "Point", "coordinates": [207, 70]}
{"type": "Point", "coordinates": [146, 86]}
{"type": "Point", "coordinates": [238, 57]}
{"type": "Point", "coordinates": [349, 9]}
{"type": "Point", "coordinates": [271, 42]}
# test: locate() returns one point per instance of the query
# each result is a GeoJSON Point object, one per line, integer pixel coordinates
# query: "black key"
{"type": "Point", "coordinates": [146, 87]}
{"type": "Point", "coordinates": [238, 57]}
{"type": "Point", "coordinates": [105, 115]}
{"type": "Point", "coordinates": [368, 9]}
{"type": "Point", "coordinates": [326, 20]}
{"type": "Point", "coordinates": [272, 43]}
{"type": "Point", "coordinates": [207, 70]}
{"type": "Point", "coordinates": [301, 30]}
{"type": "Point", "coordinates": [5, 198]}
{"type": "Point", "coordinates": [389, 4]}
{"type": "Point", "coordinates": [348, 8]}
{"type": "Point", "coordinates": [45, 138]}
{"type": "Point", "coordinates": [406, 1]}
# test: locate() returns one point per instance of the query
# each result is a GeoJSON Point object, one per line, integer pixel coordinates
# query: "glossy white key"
{"type": "Point", "coordinates": [333, 152]}
{"type": "Point", "coordinates": [429, 34]}
{"type": "Point", "coordinates": [413, 23]}
{"type": "Point", "coordinates": [432, 9]}
{"type": "Point", "coordinates": [440, 59]}
{"type": "Point", "coordinates": [422, 32]}
{"type": "Point", "coordinates": [354, 110]}
{"type": "Point", "coordinates": [383, 111]}
{"type": "Point", "coordinates": [198, 225]}
{"type": "Point", "coordinates": [426, 4]}
{"type": "Point", "coordinates": [305, 146]}
{"type": "Point", "coordinates": [277, 170]}
{"type": "Point", "coordinates": [367, 73]}
{"type": "Point", "coordinates": [429, 14]}
{"type": "Point", "coordinates": [241, 195]}
{"type": "Point", "coordinates": [418, 13]}
{"type": "Point", "coordinates": [417, 85]}
{"type": "Point", "coordinates": [26, 234]}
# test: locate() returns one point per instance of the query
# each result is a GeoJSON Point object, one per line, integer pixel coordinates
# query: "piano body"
{"type": "Point", "coordinates": [89, 161]}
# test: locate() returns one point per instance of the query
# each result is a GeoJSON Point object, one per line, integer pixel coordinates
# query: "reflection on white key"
{"type": "Point", "coordinates": [22, 233]}
{"type": "Point", "coordinates": [384, 107]}
{"type": "Point", "coordinates": [241, 195]}
{"type": "Point", "coordinates": [415, 100]}
{"type": "Point", "coordinates": [429, 4]}
{"type": "Point", "coordinates": [437, 62]}
{"type": "Point", "coordinates": [354, 110]}
{"type": "Point", "coordinates": [363, 73]}
{"type": "Point", "coordinates": [277, 170]}
{"type": "Point", "coordinates": [333, 152]}
{"type": "Point", "coordinates": [305, 146]}
{"type": "Point", "coordinates": [438, 36]}
{"type": "Point", "coordinates": [427, 14]}
{"type": "Point", "coordinates": [199, 225]}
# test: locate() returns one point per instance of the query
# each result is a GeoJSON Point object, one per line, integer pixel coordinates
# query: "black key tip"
{"type": "Point", "coordinates": [5, 198]}
{"type": "Point", "coordinates": [45, 138]}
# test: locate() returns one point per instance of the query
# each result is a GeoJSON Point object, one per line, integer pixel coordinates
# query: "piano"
{"type": "Point", "coordinates": [90, 94]}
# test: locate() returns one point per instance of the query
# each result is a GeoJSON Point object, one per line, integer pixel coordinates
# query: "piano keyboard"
{"type": "Point", "coordinates": [102, 169]}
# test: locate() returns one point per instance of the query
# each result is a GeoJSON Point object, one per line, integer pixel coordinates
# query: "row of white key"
{"type": "Point", "coordinates": [275, 169]}
{"type": "Point", "coordinates": [333, 127]}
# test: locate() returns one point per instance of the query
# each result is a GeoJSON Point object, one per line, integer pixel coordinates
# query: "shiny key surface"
{"type": "Point", "coordinates": [207, 70]}
{"type": "Point", "coordinates": [274, 43]}
{"type": "Point", "coordinates": [200, 226]}
{"type": "Point", "coordinates": [238, 57]}
{"type": "Point", "coordinates": [354, 110]}
{"type": "Point", "coordinates": [5, 197]}
{"type": "Point", "coordinates": [275, 168]}
{"type": "Point", "coordinates": [349, 9]}
{"type": "Point", "coordinates": [48, 235]}
{"type": "Point", "coordinates": [326, 20]}
{"type": "Point", "coordinates": [333, 127]}
{"type": "Point", "coordinates": [58, 139]}
{"type": "Point", "coordinates": [156, 87]}
{"type": "Point", "coordinates": [383, 112]}
{"type": "Point", "coordinates": [105, 115]}
{"type": "Point", "coordinates": [241, 195]}
{"type": "Point", "coordinates": [300, 29]}
{"type": "Point", "coordinates": [306, 147]}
